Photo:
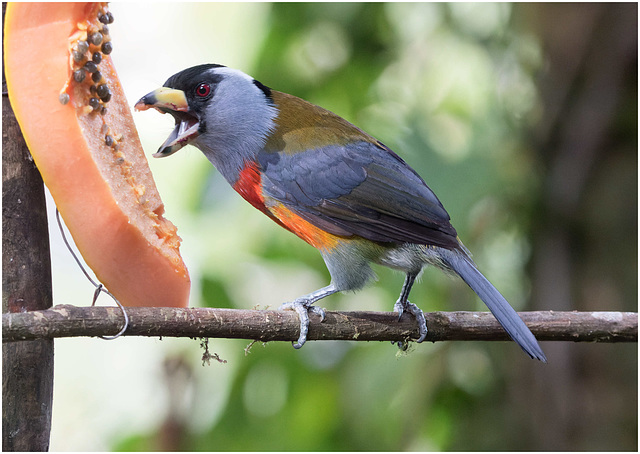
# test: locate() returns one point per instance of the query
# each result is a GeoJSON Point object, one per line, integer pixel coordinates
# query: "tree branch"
{"type": "Point", "coordinates": [27, 367]}
{"type": "Point", "coordinates": [268, 325]}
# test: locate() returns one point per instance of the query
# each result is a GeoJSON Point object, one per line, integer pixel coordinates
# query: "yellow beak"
{"type": "Point", "coordinates": [170, 100]}
{"type": "Point", "coordinates": [164, 99]}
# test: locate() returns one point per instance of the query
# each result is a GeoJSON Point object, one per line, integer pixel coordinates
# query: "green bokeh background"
{"type": "Point", "coordinates": [521, 117]}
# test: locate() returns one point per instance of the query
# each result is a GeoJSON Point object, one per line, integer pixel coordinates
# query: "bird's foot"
{"type": "Point", "coordinates": [414, 310]}
{"type": "Point", "coordinates": [303, 307]}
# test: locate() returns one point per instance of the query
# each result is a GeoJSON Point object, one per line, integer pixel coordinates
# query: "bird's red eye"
{"type": "Point", "coordinates": [203, 90]}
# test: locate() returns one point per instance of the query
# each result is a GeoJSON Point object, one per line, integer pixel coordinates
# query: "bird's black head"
{"type": "Point", "coordinates": [185, 96]}
{"type": "Point", "coordinates": [209, 95]}
{"type": "Point", "coordinates": [198, 83]}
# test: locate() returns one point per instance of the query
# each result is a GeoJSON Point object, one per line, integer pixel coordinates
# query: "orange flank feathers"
{"type": "Point", "coordinates": [75, 118]}
{"type": "Point", "coordinates": [313, 235]}
{"type": "Point", "coordinates": [249, 187]}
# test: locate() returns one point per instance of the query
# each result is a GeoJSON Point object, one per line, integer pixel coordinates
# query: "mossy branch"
{"type": "Point", "coordinates": [269, 325]}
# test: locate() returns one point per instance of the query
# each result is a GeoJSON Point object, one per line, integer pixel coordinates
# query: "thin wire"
{"type": "Point", "coordinates": [99, 287]}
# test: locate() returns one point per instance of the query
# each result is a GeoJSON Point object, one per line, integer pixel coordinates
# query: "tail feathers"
{"type": "Point", "coordinates": [497, 304]}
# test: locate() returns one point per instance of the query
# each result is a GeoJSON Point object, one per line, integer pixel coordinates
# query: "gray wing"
{"type": "Point", "coordinates": [361, 189]}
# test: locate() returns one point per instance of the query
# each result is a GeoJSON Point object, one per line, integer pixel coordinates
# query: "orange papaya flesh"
{"type": "Point", "coordinates": [78, 126]}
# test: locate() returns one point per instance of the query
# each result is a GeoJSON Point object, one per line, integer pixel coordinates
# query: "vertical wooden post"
{"type": "Point", "coordinates": [27, 367]}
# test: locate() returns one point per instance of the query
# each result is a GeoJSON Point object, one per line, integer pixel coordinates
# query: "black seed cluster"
{"type": "Point", "coordinates": [106, 18]}
{"type": "Point", "coordinates": [87, 55]}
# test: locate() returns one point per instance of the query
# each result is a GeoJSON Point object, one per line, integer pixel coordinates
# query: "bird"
{"type": "Point", "coordinates": [322, 178]}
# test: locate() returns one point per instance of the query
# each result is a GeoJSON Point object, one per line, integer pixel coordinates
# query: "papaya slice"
{"type": "Point", "coordinates": [78, 126]}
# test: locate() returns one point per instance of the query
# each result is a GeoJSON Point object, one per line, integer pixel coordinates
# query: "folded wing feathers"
{"type": "Point", "coordinates": [359, 189]}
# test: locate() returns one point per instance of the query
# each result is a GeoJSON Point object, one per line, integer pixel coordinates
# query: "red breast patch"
{"type": "Point", "coordinates": [249, 186]}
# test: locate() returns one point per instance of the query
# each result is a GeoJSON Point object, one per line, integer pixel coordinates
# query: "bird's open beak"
{"type": "Point", "coordinates": [169, 100]}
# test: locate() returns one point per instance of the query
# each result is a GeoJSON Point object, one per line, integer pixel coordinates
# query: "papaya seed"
{"type": "Point", "coordinates": [79, 75]}
{"type": "Point", "coordinates": [94, 103]}
{"type": "Point", "coordinates": [95, 38]}
{"type": "Point", "coordinates": [90, 67]}
{"type": "Point", "coordinates": [82, 46]}
{"type": "Point", "coordinates": [107, 48]}
{"type": "Point", "coordinates": [106, 18]}
{"type": "Point", "coordinates": [102, 90]}
{"type": "Point", "coordinates": [64, 98]}
{"type": "Point", "coordinates": [78, 56]}
{"type": "Point", "coordinates": [96, 58]}
{"type": "Point", "coordinates": [96, 76]}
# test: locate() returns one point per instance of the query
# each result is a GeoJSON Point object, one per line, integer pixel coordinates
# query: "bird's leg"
{"type": "Point", "coordinates": [303, 306]}
{"type": "Point", "coordinates": [403, 304]}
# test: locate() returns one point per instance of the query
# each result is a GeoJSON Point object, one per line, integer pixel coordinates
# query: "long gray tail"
{"type": "Point", "coordinates": [497, 304]}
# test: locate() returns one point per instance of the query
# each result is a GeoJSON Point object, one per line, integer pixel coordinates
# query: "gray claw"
{"type": "Point", "coordinates": [303, 308]}
{"type": "Point", "coordinates": [399, 308]}
{"type": "Point", "coordinates": [318, 311]}
{"type": "Point", "coordinates": [417, 313]}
